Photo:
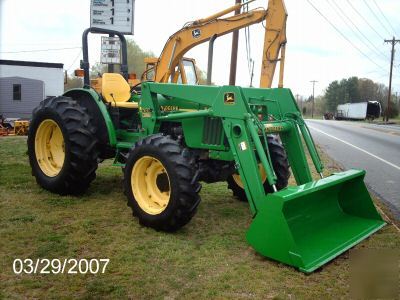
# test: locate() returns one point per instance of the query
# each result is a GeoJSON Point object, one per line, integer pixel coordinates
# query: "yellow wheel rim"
{"type": "Point", "coordinates": [49, 148]}
{"type": "Point", "coordinates": [239, 182]}
{"type": "Point", "coordinates": [150, 185]}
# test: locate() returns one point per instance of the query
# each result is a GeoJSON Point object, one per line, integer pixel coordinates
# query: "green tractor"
{"type": "Point", "coordinates": [170, 137]}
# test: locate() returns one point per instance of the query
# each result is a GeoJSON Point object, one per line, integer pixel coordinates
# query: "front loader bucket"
{"type": "Point", "coordinates": [308, 225]}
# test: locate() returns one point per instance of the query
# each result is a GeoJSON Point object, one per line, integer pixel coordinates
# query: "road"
{"type": "Point", "coordinates": [358, 145]}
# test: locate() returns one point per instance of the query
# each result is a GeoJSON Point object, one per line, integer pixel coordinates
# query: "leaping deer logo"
{"type": "Point", "coordinates": [229, 98]}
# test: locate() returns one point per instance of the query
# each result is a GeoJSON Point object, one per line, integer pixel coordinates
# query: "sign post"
{"type": "Point", "coordinates": [113, 14]}
{"type": "Point", "coordinates": [110, 50]}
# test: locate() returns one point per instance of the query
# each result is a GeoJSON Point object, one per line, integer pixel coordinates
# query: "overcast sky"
{"type": "Point", "coordinates": [315, 50]}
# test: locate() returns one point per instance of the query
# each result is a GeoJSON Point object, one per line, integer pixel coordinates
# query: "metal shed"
{"type": "Point", "coordinates": [19, 96]}
{"type": "Point", "coordinates": [23, 84]}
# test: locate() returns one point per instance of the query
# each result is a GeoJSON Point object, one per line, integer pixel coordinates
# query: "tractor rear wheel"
{"type": "Point", "coordinates": [159, 183]}
{"type": "Point", "coordinates": [62, 146]}
{"type": "Point", "coordinates": [281, 167]}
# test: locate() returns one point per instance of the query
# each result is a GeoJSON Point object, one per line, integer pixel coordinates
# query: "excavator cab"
{"type": "Point", "coordinates": [185, 73]}
{"type": "Point", "coordinates": [149, 73]}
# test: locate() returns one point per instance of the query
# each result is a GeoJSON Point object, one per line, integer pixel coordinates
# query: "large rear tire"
{"type": "Point", "coordinates": [159, 183]}
{"type": "Point", "coordinates": [62, 146]}
{"type": "Point", "coordinates": [281, 167]}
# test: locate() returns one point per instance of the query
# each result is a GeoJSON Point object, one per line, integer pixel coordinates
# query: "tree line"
{"type": "Point", "coordinates": [353, 90]}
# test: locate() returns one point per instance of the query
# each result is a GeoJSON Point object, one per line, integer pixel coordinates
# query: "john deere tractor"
{"type": "Point", "coordinates": [169, 137]}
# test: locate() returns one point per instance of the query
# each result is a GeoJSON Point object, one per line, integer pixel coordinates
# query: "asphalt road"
{"type": "Point", "coordinates": [374, 148]}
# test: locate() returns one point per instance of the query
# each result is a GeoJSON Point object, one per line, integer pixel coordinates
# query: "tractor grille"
{"type": "Point", "coordinates": [212, 131]}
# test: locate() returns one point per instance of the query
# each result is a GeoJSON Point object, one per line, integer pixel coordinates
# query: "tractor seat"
{"type": "Point", "coordinates": [116, 91]}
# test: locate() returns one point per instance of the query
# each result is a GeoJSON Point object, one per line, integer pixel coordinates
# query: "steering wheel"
{"type": "Point", "coordinates": [138, 84]}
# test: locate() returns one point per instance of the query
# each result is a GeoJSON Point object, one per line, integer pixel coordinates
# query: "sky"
{"type": "Point", "coordinates": [343, 38]}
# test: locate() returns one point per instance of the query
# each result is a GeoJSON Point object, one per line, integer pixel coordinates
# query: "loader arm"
{"type": "Point", "coordinates": [203, 30]}
{"type": "Point", "coordinates": [305, 225]}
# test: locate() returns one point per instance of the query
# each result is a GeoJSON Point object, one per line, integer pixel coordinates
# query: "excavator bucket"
{"type": "Point", "coordinates": [308, 225]}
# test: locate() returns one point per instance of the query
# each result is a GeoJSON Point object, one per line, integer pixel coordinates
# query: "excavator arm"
{"type": "Point", "coordinates": [203, 30]}
{"type": "Point", "coordinates": [274, 42]}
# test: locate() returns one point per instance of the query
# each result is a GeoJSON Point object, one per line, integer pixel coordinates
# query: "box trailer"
{"type": "Point", "coordinates": [358, 111]}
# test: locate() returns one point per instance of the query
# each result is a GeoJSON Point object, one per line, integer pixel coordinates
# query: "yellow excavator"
{"type": "Point", "coordinates": [173, 67]}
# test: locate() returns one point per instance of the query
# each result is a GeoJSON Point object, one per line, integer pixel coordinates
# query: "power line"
{"type": "Point", "coordinates": [380, 10]}
{"type": "Point", "coordinates": [250, 61]}
{"type": "Point", "coordinates": [377, 74]}
{"type": "Point", "coordinates": [343, 35]}
{"type": "Point", "coordinates": [247, 40]}
{"type": "Point", "coordinates": [73, 62]}
{"type": "Point", "coordinates": [376, 51]}
{"type": "Point", "coordinates": [365, 20]}
{"type": "Point", "coordinates": [41, 50]}
{"type": "Point", "coordinates": [348, 18]}
{"type": "Point", "coordinates": [379, 20]}
{"type": "Point", "coordinates": [393, 42]}
{"type": "Point", "coordinates": [234, 50]}
{"type": "Point", "coordinates": [313, 99]}
{"type": "Point", "coordinates": [380, 71]}
{"type": "Point", "coordinates": [46, 42]}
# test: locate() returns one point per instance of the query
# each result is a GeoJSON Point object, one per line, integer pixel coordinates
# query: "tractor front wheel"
{"type": "Point", "coordinates": [62, 146]}
{"type": "Point", "coordinates": [159, 183]}
{"type": "Point", "coordinates": [281, 167]}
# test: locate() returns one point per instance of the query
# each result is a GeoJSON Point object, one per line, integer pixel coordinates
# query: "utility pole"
{"type": "Point", "coordinates": [393, 42]}
{"type": "Point", "coordinates": [398, 101]}
{"type": "Point", "coordinates": [299, 102]}
{"type": "Point", "coordinates": [234, 53]}
{"type": "Point", "coordinates": [312, 107]}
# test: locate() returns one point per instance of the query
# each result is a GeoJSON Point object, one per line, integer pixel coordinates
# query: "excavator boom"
{"type": "Point", "coordinates": [203, 30]}
{"type": "Point", "coordinates": [274, 42]}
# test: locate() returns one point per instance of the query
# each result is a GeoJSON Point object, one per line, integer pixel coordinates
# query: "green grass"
{"type": "Point", "coordinates": [396, 120]}
{"type": "Point", "coordinates": [316, 117]}
{"type": "Point", "coordinates": [207, 258]}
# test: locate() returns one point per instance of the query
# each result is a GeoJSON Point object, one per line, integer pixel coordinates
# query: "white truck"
{"type": "Point", "coordinates": [358, 111]}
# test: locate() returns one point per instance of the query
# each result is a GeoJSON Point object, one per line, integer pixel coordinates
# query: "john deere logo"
{"type": "Point", "coordinates": [196, 33]}
{"type": "Point", "coordinates": [229, 98]}
{"type": "Point", "coordinates": [146, 112]}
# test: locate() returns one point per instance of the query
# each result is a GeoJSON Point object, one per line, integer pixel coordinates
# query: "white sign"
{"type": "Point", "coordinates": [112, 14]}
{"type": "Point", "coordinates": [110, 50]}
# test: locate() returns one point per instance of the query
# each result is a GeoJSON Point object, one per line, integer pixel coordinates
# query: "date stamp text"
{"type": "Point", "coordinates": [60, 266]}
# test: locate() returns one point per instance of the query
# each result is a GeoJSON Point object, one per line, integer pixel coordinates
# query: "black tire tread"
{"type": "Point", "coordinates": [81, 165]}
{"type": "Point", "coordinates": [187, 198]}
{"type": "Point", "coordinates": [281, 167]}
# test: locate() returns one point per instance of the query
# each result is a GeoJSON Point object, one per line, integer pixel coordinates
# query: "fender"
{"type": "Point", "coordinates": [89, 98]}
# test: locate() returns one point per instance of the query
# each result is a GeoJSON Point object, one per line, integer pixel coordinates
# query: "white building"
{"type": "Point", "coordinates": [23, 84]}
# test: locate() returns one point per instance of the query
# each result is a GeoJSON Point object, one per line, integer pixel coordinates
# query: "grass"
{"type": "Point", "coordinates": [316, 117]}
{"type": "Point", "coordinates": [208, 258]}
{"type": "Point", "coordinates": [396, 120]}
